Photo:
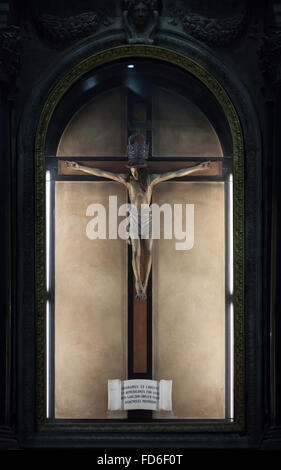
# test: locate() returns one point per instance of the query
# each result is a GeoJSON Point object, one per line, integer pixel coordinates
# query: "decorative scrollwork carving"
{"type": "Point", "coordinates": [10, 53]}
{"type": "Point", "coordinates": [140, 19]}
{"type": "Point", "coordinates": [213, 31]}
{"type": "Point", "coordinates": [59, 29]}
{"type": "Point", "coordinates": [270, 58]}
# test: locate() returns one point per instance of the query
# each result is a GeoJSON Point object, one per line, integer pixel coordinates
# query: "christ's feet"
{"type": "Point", "coordinates": [141, 295]}
{"type": "Point", "coordinates": [140, 292]}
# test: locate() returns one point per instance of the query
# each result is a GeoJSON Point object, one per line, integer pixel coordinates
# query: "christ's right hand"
{"type": "Point", "coordinates": [73, 165]}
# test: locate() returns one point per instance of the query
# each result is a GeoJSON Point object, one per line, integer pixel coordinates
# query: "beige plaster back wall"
{"type": "Point", "coordinates": [180, 128]}
{"type": "Point", "coordinates": [98, 128]}
{"type": "Point", "coordinates": [189, 305]}
{"type": "Point", "coordinates": [90, 304]}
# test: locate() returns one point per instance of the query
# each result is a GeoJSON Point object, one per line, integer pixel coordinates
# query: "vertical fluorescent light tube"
{"type": "Point", "coordinates": [231, 290]}
{"type": "Point", "coordinates": [48, 226]}
{"type": "Point", "coordinates": [47, 358]}
{"type": "Point", "coordinates": [230, 222]}
{"type": "Point", "coordinates": [231, 345]}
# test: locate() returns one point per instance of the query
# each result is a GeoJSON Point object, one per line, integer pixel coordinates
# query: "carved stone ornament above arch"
{"type": "Point", "coordinates": [141, 20]}
{"type": "Point", "coordinates": [59, 29]}
{"type": "Point", "coordinates": [11, 48]}
{"type": "Point", "coordinates": [210, 27]}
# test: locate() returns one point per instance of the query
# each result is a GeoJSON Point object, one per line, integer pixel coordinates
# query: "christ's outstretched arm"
{"type": "Point", "coordinates": [119, 177]}
{"type": "Point", "coordinates": [155, 179]}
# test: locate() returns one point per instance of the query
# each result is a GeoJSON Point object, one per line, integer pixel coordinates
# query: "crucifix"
{"type": "Point", "coordinates": [139, 184]}
{"type": "Point", "coordinates": [140, 177]}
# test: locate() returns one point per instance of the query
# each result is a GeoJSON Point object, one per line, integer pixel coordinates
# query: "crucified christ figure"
{"type": "Point", "coordinates": [139, 184]}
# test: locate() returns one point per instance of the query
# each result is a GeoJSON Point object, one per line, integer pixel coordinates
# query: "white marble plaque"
{"type": "Point", "coordinates": [140, 394]}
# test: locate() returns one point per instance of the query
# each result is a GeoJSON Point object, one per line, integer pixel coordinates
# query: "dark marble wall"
{"type": "Point", "coordinates": [241, 40]}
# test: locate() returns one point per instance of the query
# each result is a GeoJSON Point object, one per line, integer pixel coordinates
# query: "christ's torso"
{"type": "Point", "coordinates": [137, 194]}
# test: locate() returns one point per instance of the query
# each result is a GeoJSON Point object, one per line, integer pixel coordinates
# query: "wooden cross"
{"type": "Point", "coordinates": [140, 364]}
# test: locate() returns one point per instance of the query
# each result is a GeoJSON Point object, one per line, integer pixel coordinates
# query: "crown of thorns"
{"type": "Point", "coordinates": [137, 151]}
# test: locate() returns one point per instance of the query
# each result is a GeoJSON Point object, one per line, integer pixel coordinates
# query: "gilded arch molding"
{"type": "Point", "coordinates": [189, 65]}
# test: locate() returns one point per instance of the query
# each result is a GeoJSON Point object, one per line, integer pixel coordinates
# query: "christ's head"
{"type": "Point", "coordinates": [139, 174]}
{"type": "Point", "coordinates": [134, 172]}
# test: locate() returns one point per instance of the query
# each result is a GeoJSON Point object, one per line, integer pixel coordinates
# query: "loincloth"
{"type": "Point", "coordinates": [140, 223]}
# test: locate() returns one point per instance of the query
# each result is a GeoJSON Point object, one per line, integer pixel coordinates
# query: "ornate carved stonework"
{"type": "Point", "coordinates": [270, 58]}
{"type": "Point", "coordinates": [270, 51]}
{"type": "Point", "coordinates": [60, 29]}
{"type": "Point", "coordinates": [140, 19]}
{"type": "Point", "coordinates": [10, 53]}
{"type": "Point", "coordinates": [213, 31]}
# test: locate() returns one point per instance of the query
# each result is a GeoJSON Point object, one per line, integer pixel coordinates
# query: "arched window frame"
{"type": "Point", "coordinates": [230, 113]}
